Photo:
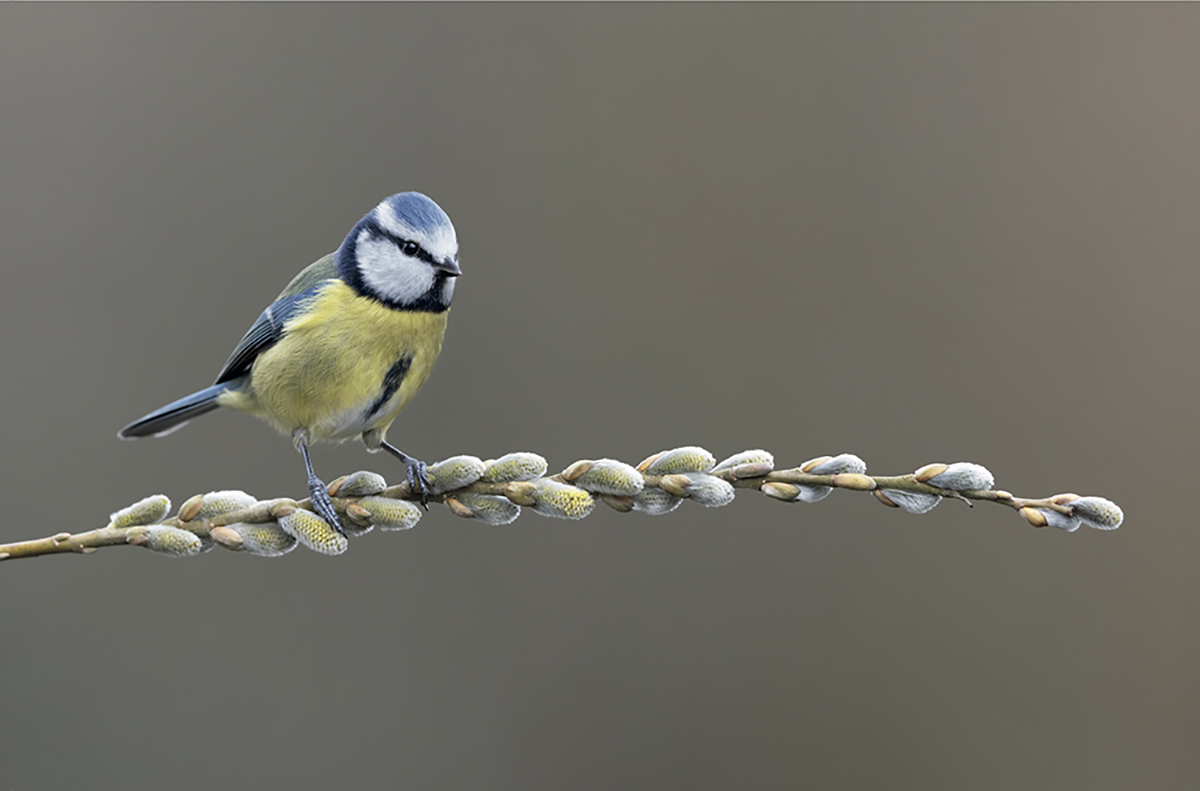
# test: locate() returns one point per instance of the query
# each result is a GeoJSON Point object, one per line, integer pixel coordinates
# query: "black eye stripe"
{"type": "Point", "coordinates": [403, 244]}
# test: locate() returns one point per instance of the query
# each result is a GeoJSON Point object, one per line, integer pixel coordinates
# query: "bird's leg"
{"type": "Point", "coordinates": [414, 469]}
{"type": "Point", "coordinates": [317, 491]}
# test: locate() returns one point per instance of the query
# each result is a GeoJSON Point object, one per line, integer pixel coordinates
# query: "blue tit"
{"type": "Point", "coordinates": [346, 345]}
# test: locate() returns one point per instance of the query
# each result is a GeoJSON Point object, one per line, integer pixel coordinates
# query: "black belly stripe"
{"type": "Point", "coordinates": [391, 383]}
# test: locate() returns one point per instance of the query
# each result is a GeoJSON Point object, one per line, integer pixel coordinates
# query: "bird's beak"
{"type": "Point", "coordinates": [449, 266]}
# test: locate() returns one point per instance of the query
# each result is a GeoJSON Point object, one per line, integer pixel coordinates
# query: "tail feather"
{"type": "Point", "coordinates": [172, 416]}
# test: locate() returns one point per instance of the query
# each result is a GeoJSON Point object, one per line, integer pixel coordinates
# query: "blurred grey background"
{"type": "Point", "coordinates": [916, 233]}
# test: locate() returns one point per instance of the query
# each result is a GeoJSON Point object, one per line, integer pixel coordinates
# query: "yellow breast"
{"type": "Point", "coordinates": [330, 371]}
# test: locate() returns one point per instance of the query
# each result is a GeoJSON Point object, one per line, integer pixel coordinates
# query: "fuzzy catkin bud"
{"type": "Point", "coordinates": [361, 484]}
{"type": "Point", "coordinates": [746, 457]}
{"type": "Point", "coordinates": [490, 509]}
{"type": "Point", "coordinates": [389, 514]}
{"type": "Point", "coordinates": [455, 473]}
{"type": "Point", "coordinates": [608, 476]}
{"type": "Point", "coordinates": [217, 503]}
{"type": "Point", "coordinates": [686, 459]}
{"type": "Point", "coordinates": [843, 464]}
{"type": "Point", "coordinates": [170, 541]}
{"type": "Point", "coordinates": [913, 502]}
{"type": "Point", "coordinates": [313, 532]}
{"type": "Point", "coordinates": [834, 465]}
{"type": "Point", "coordinates": [710, 492]}
{"type": "Point", "coordinates": [960, 476]}
{"type": "Point", "coordinates": [551, 498]}
{"type": "Point", "coordinates": [264, 540]}
{"type": "Point", "coordinates": [515, 467]}
{"type": "Point", "coordinates": [144, 512]}
{"type": "Point", "coordinates": [655, 502]}
{"type": "Point", "coordinates": [1098, 512]}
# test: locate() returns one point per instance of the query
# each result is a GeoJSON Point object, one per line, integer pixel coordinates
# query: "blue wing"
{"type": "Point", "coordinates": [263, 334]}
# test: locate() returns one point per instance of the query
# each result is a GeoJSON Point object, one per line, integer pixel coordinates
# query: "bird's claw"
{"type": "Point", "coordinates": [418, 483]}
{"type": "Point", "coordinates": [323, 504]}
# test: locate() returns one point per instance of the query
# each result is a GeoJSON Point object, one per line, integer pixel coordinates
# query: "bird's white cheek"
{"type": "Point", "coordinates": [390, 273]}
{"type": "Point", "coordinates": [448, 290]}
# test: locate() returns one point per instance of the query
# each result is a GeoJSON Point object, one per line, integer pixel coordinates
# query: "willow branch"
{"type": "Point", "coordinates": [496, 491]}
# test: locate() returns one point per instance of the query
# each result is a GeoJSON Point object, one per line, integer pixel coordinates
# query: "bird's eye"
{"type": "Point", "coordinates": [411, 248]}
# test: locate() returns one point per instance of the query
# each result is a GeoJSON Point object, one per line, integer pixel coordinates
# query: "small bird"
{"type": "Point", "coordinates": [347, 344]}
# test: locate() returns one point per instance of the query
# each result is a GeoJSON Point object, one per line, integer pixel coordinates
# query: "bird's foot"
{"type": "Point", "coordinates": [418, 482]}
{"type": "Point", "coordinates": [414, 469]}
{"type": "Point", "coordinates": [323, 504]}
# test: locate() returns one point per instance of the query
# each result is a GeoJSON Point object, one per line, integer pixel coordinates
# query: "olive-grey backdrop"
{"type": "Point", "coordinates": [915, 233]}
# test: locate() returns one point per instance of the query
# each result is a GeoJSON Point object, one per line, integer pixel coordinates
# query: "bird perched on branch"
{"type": "Point", "coordinates": [346, 345]}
